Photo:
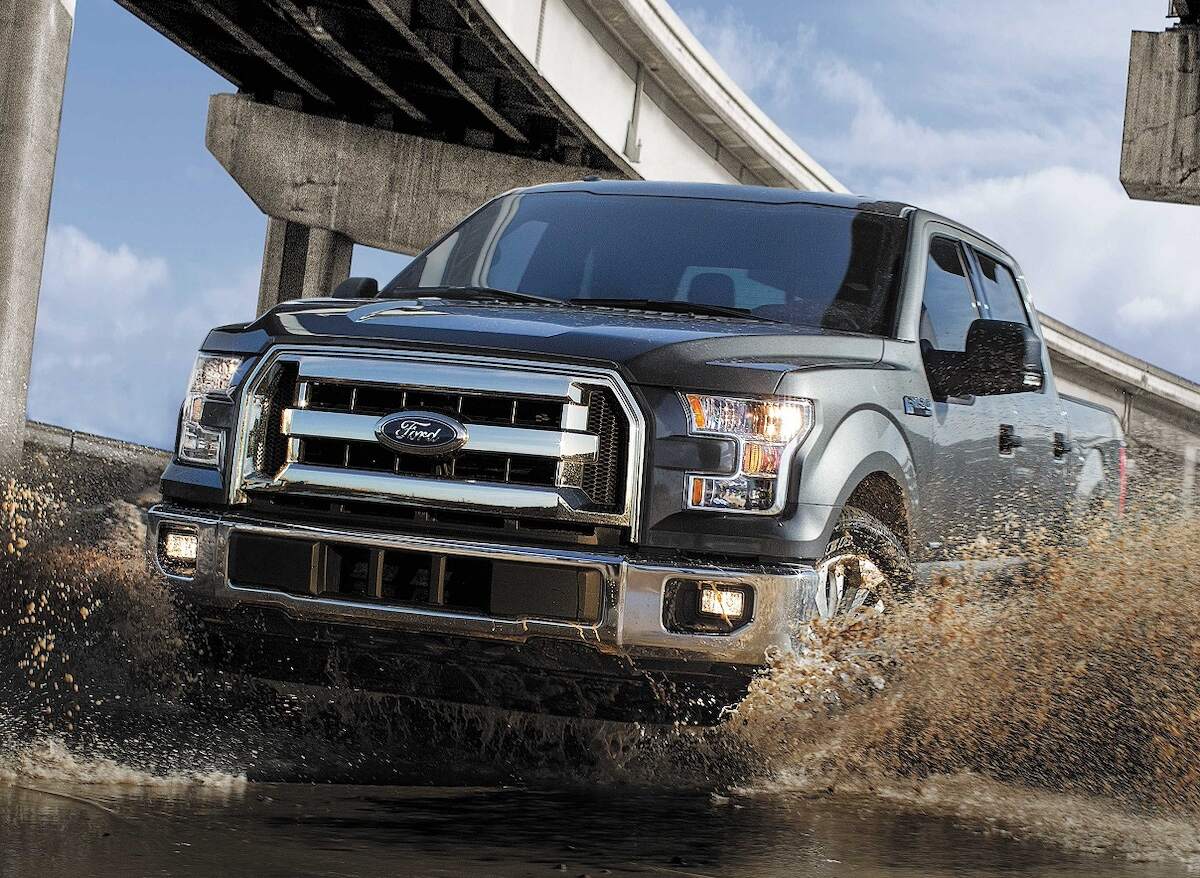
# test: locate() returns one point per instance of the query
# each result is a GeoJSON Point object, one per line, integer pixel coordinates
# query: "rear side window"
{"type": "Point", "coordinates": [1001, 291]}
{"type": "Point", "coordinates": [949, 307]}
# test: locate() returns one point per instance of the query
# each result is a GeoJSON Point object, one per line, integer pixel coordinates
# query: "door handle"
{"type": "Point", "coordinates": [1062, 446]}
{"type": "Point", "coordinates": [1009, 440]}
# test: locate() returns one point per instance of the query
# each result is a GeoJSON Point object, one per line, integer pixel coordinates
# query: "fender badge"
{"type": "Point", "coordinates": [918, 406]}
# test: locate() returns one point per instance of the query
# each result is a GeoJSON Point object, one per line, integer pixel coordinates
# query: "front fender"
{"type": "Point", "coordinates": [865, 441]}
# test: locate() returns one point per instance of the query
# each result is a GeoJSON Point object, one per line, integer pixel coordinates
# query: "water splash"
{"type": "Point", "coordinates": [1064, 700]}
{"type": "Point", "coordinates": [49, 759]}
{"type": "Point", "coordinates": [22, 508]}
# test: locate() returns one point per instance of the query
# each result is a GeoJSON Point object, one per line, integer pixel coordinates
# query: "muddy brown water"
{"type": "Point", "coordinates": [282, 830]}
{"type": "Point", "coordinates": [1043, 727]}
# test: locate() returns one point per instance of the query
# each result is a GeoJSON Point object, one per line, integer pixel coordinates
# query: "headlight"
{"type": "Point", "coordinates": [212, 376]}
{"type": "Point", "coordinates": [767, 432]}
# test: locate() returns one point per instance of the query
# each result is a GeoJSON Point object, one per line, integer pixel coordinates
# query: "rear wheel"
{"type": "Point", "coordinates": [865, 567]}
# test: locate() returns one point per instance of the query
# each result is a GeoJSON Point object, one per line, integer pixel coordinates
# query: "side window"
{"type": "Point", "coordinates": [949, 308]}
{"type": "Point", "coordinates": [1001, 291]}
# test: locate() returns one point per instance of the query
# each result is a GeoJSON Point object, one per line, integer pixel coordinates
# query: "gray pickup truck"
{"type": "Point", "coordinates": [605, 445]}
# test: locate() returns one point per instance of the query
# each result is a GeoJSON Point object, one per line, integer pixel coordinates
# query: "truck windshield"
{"type": "Point", "coordinates": [810, 265]}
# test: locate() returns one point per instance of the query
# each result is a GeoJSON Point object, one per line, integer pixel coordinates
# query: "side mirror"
{"type": "Point", "coordinates": [357, 288]}
{"type": "Point", "coordinates": [1001, 358]}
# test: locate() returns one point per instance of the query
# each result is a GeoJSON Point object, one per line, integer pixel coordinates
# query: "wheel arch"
{"type": "Point", "coordinates": [867, 462]}
{"type": "Point", "coordinates": [880, 495]}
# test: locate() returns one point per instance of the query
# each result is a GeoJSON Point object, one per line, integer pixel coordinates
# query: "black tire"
{"type": "Point", "coordinates": [857, 537]}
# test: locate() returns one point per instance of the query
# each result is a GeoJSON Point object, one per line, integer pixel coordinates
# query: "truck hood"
{"type": "Point", "coordinates": [670, 350]}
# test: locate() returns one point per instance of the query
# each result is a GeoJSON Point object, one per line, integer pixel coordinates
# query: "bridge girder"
{"type": "Point", "coordinates": [439, 69]}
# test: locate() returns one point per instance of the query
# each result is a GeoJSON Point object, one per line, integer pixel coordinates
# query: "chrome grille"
{"type": "Point", "coordinates": [543, 442]}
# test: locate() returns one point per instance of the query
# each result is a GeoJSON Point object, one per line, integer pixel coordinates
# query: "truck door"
{"type": "Point", "coordinates": [962, 471]}
{"type": "Point", "coordinates": [1037, 466]}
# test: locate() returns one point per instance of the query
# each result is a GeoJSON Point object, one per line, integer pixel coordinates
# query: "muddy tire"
{"type": "Point", "coordinates": [865, 567]}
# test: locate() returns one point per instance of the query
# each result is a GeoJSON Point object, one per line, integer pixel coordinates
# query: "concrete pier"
{"type": "Point", "coordinates": [35, 37]}
{"type": "Point", "coordinates": [301, 262]}
{"type": "Point", "coordinates": [1160, 150]}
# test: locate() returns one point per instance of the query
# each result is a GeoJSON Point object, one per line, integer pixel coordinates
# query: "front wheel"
{"type": "Point", "coordinates": [864, 568]}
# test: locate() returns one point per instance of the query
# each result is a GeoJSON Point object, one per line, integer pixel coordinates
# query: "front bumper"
{"type": "Point", "coordinates": [631, 624]}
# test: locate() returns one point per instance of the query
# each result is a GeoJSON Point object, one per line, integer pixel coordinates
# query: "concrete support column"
{"type": "Point", "coordinates": [284, 255]}
{"type": "Point", "coordinates": [328, 262]}
{"type": "Point", "coordinates": [299, 262]}
{"type": "Point", "coordinates": [35, 38]}
{"type": "Point", "coordinates": [1160, 150]}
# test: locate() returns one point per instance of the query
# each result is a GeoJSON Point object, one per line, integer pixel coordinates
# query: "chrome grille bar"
{"type": "Point", "coordinates": [439, 376]}
{"type": "Point", "coordinates": [481, 437]}
{"type": "Point", "coordinates": [369, 485]}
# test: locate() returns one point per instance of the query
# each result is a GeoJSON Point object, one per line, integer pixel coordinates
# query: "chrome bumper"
{"type": "Point", "coordinates": [631, 623]}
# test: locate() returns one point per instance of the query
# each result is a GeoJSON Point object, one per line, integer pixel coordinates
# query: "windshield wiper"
{"type": "Point", "coordinates": [468, 293]}
{"type": "Point", "coordinates": [672, 306]}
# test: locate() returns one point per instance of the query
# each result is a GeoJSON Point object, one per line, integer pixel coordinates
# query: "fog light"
{"type": "Point", "coordinates": [181, 547]}
{"type": "Point", "coordinates": [722, 602]}
{"type": "Point", "coordinates": [693, 606]}
{"type": "Point", "coordinates": [177, 550]}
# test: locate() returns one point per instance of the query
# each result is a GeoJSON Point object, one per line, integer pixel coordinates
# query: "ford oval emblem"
{"type": "Point", "coordinates": [426, 433]}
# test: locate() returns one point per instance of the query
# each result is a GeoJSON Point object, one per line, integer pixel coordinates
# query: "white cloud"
{"type": "Point", "coordinates": [880, 140]}
{"type": "Point", "coordinates": [76, 262]}
{"type": "Point", "coordinates": [116, 336]}
{"type": "Point", "coordinates": [1146, 311]}
{"type": "Point", "coordinates": [80, 270]}
{"type": "Point", "coordinates": [985, 90]}
{"type": "Point", "coordinates": [1058, 39]}
{"type": "Point", "coordinates": [755, 61]}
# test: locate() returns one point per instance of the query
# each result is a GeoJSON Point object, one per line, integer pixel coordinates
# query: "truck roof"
{"type": "Point", "coordinates": [725, 192]}
{"type": "Point", "coordinates": [759, 194]}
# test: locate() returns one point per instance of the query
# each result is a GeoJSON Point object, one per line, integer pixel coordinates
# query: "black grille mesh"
{"type": "Point", "coordinates": [601, 480]}
{"type": "Point", "coordinates": [268, 442]}
{"type": "Point", "coordinates": [511, 469]}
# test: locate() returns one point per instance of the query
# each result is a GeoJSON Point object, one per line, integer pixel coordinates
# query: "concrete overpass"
{"type": "Point", "coordinates": [1160, 161]}
{"type": "Point", "coordinates": [382, 122]}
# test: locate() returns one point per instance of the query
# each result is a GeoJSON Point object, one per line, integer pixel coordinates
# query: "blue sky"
{"type": "Point", "coordinates": [1007, 116]}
